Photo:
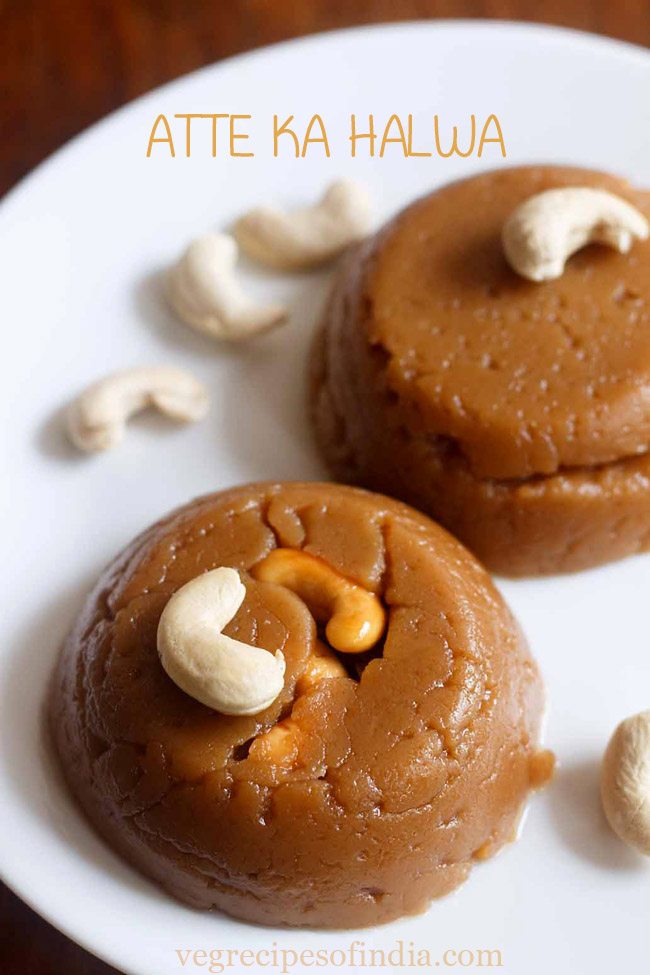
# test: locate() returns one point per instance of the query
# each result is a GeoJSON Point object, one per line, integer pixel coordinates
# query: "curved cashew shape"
{"type": "Point", "coordinates": [545, 230]}
{"type": "Point", "coordinates": [222, 673]}
{"type": "Point", "coordinates": [308, 236]}
{"type": "Point", "coordinates": [97, 418]}
{"type": "Point", "coordinates": [205, 293]}
{"type": "Point", "coordinates": [356, 617]}
{"type": "Point", "coordinates": [625, 781]}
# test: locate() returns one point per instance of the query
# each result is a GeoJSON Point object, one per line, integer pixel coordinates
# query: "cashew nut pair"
{"type": "Point", "coordinates": [625, 782]}
{"type": "Point", "coordinates": [203, 286]}
{"type": "Point", "coordinates": [546, 229]}
{"type": "Point", "coordinates": [97, 418]}
{"type": "Point", "coordinates": [234, 678]}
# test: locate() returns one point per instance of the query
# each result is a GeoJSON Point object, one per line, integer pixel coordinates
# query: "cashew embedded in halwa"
{"type": "Point", "coordinates": [281, 744]}
{"type": "Point", "coordinates": [625, 782]}
{"type": "Point", "coordinates": [97, 418]}
{"type": "Point", "coordinates": [222, 673]}
{"type": "Point", "coordinates": [356, 617]}
{"type": "Point", "coordinates": [309, 236]}
{"type": "Point", "coordinates": [546, 229]}
{"type": "Point", "coordinates": [205, 293]}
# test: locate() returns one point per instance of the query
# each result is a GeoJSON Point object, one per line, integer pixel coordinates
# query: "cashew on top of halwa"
{"type": "Point", "coordinates": [356, 617]}
{"type": "Point", "coordinates": [235, 678]}
{"type": "Point", "coordinates": [222, 673]}
{"type": "Point", "coordinates": [546, 229]}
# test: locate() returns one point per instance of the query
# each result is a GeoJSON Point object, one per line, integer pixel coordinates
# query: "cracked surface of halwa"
{"type": "Point", "coordinates": [408, 770]}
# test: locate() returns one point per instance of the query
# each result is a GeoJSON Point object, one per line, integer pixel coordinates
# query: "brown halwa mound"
{"type": "Point", "coordinates": [515, 413]}
{"type": "Point", "coordinates": [411, 768]}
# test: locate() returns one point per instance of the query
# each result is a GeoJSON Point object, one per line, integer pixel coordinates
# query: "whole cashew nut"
{"type": "Point", "coordinates": [222, 673]}
{"type": "Point", "coordinates": [97, 418]}
{"type": "Point", "coordinates": [308, 236]}
{"type": "Point", "coordinates": [625, 781]}
{"type": "Point", "coordinates": [356, 617]}
{"type": "Point", "coordinates": [205, 293]}
{"type": "Point", "coordinates": [546, 229]}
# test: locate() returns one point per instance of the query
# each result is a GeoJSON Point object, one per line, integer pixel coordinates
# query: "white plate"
{"type": "Point", "coordinates": [82, 243]}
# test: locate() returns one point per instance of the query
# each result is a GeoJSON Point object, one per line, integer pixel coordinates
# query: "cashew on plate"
{"type": "Point", "coordinates": [205, 293]}
{"type": "Point", "coordinates": [97, 418]}
{"type": "Point", "coordinates": [235, 678]}
{"type": "Point", "coordinates": [546, 229]}
{"type": "Point", "coordinates": [625, 782]}
{"type": "Point", "coordinates": [309, 236]}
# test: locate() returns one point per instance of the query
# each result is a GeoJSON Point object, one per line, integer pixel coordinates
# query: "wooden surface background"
{"type": "Point", "coordinates": [66, 63]}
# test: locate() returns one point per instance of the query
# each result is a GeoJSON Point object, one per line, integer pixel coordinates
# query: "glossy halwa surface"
{"type": "Point", "coordinates": [407, 771]}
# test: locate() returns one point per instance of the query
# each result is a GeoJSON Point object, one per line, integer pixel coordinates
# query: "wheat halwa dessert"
{"type": "Point", "coordinates": [516, 412]}
{"type": "Point", "coordinates": [377, 775]}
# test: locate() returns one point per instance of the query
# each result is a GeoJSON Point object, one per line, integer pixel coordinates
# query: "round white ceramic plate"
{"type": "Point", "coordinates": [82, 245]}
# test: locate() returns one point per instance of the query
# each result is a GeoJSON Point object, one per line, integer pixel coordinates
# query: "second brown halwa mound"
{"type": "Point", "coordinates": [515, 413]}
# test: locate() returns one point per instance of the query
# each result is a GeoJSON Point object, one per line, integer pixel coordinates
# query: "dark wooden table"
{"type": "Point", "coordinates": [65, 63]}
